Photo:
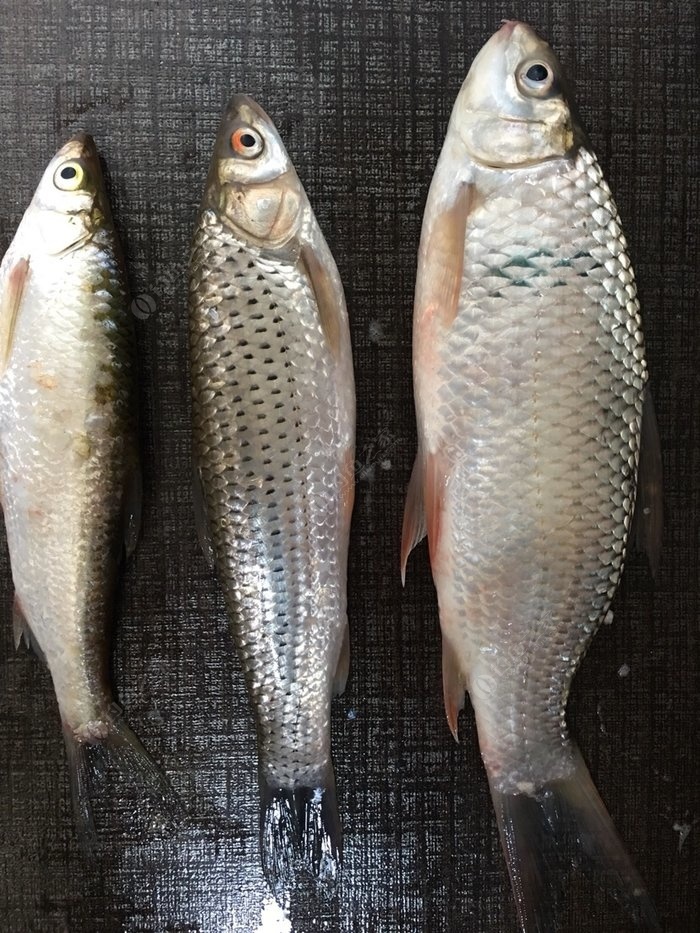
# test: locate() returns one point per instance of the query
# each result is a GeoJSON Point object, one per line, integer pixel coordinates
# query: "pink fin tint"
{"type": "Point", "coordinates": [442, 258]}
{"type": "Point", "coordinates": [453, 688]}
{"type": "Point", "coordinates": [414, 527]}
{"type": "Point", "coordinates": [10, 302]}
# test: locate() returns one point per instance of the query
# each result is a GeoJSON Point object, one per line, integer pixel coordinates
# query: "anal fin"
{"type": "Point", "coordinates": [453, 687]}
{"type": "Point", "coordinates": [22, 630]}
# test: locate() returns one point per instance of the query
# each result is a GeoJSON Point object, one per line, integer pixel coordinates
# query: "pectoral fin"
{"type": "Point", "coordinates": [648, 513]}
{"type": "Point", "coordinates": [441, 259]}
{"type": "Point", "coordinates": [10, 303]}
{"type": "Point", "coordinates": [326, 294]}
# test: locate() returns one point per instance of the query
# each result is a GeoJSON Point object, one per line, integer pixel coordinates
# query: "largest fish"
{"type": "Point", "coordinates": [530, 387]}
{"type": "Point", "coordinates": [274, 428]}
{"type": "Point", "coordinates": [70, 481]}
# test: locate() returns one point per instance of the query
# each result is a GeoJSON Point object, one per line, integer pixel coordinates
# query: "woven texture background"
{"type": "Point", "coordinates": [361, 91]}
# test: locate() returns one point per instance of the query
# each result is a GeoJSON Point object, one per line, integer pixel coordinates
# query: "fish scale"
{"type": "Point", "coordinates": [530, 383]}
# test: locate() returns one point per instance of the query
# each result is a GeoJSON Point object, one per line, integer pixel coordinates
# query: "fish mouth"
{"type": "Point", "coordinates": [509, 27]}
{"type": "Point", "coordinates": [81, 146]}
{"type": "Point", "coordinates": [245, 107]}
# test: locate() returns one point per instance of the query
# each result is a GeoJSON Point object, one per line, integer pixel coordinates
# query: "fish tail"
{"type": "Point", "coordinates": [300, 833]}
{"type": "Point", "coordinates": [560, 823]}
{"type": "Point", "coordinates": [110, 747]}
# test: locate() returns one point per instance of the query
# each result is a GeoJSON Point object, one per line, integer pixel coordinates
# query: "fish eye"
{"type": "Point", "coordinates": [535, 77]}
{"type": "Point", "coordinates": [247, 142]}
{"type": "Point", "coordinates": [537, 73]}
{"type": "Point", "coordinates": [69, 176]}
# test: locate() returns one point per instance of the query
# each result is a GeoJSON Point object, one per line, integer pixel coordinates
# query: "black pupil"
{"type": "Point", "coordinates": [248, 140]}
{"type": "Point", "coordinates": [68, 172]}
{"type": "Point", "coordinates": [537, 73]}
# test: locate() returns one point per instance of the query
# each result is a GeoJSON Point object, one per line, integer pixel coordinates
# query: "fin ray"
{"type": "Point", "coordinates": [10, 303]}
{"type": "Point", "coordinates": [414, 524]}
{"type": "Point", "coordinates": [441, 257]}
{"type": "Point", "coordinates": [453, 687]}
{"type": "Point", "coordinates": [560, 823]}
{"type": "Point", "coordinates": [325, 291]}
{"type": "Point", "coordinates": [121, 750]}
{"type": "Point", "coordinates": [300, 834]}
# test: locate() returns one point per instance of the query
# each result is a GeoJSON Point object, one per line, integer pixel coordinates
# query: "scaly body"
{"type": "Point", "coordinates": [536, 402]}
{"type": "Point", "coordinates": [273, 441]}
{"type": "Point", "coordinates": [67, 444]}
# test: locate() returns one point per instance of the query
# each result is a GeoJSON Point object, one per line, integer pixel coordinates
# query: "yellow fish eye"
{"type": "Point", "coordinates": [69, 176]}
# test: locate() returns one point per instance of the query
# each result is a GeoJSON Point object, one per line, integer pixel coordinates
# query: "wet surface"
{"type": "Point", "coordinates": [361, 92]}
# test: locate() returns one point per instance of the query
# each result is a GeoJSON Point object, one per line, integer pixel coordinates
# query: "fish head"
{"type": "Point", "coordinates": [512, 109]}
{"type": "Point", "coordinates": [252, 183]}
{"type": "Point", "coordinates": [70, 201]}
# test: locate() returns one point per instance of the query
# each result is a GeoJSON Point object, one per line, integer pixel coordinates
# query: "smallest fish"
{"type": "Point", "coordinates": [70, 481]}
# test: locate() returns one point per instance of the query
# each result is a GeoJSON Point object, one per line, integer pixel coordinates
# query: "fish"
{"type": "Point", "coordinates": [70, 479]}
{"type": "Point", "coordinates": [273, 405]}
{"type": "Point", "coordinates": [533, 411]}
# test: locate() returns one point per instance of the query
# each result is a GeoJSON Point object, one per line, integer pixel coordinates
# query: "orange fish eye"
{"type": "Point", "coordinates": [246, 142]}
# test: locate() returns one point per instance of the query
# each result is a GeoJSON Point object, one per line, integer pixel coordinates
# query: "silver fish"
{"type": "Point", "coordinates": [530, 386]}
{"type": "Point", "coordinates": [69, 465]}
{"type": "Point", "coordinates": [274, 426]}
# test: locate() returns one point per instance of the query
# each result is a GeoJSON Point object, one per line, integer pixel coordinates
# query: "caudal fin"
{"type": "Point", "coordinates": [113, 750]}
{"type": "Point", "coordinates": [300, 834]}
{"type": "Point", "coordinates": [561, 823]}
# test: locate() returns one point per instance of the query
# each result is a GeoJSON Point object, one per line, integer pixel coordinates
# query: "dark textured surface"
{"type": "Point", "coordinates": [361, 91]}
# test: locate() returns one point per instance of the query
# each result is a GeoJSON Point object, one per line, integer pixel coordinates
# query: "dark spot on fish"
{"type": "Point", "coordinates": [104, 393]}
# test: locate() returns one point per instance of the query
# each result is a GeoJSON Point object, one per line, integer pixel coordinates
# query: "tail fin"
{"type": "Point", "coordinates": [560, 823]}
{"type": "Point", "coordinates": [300, 833]}
{"type": "Point", "coordinates": [112, 748]}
